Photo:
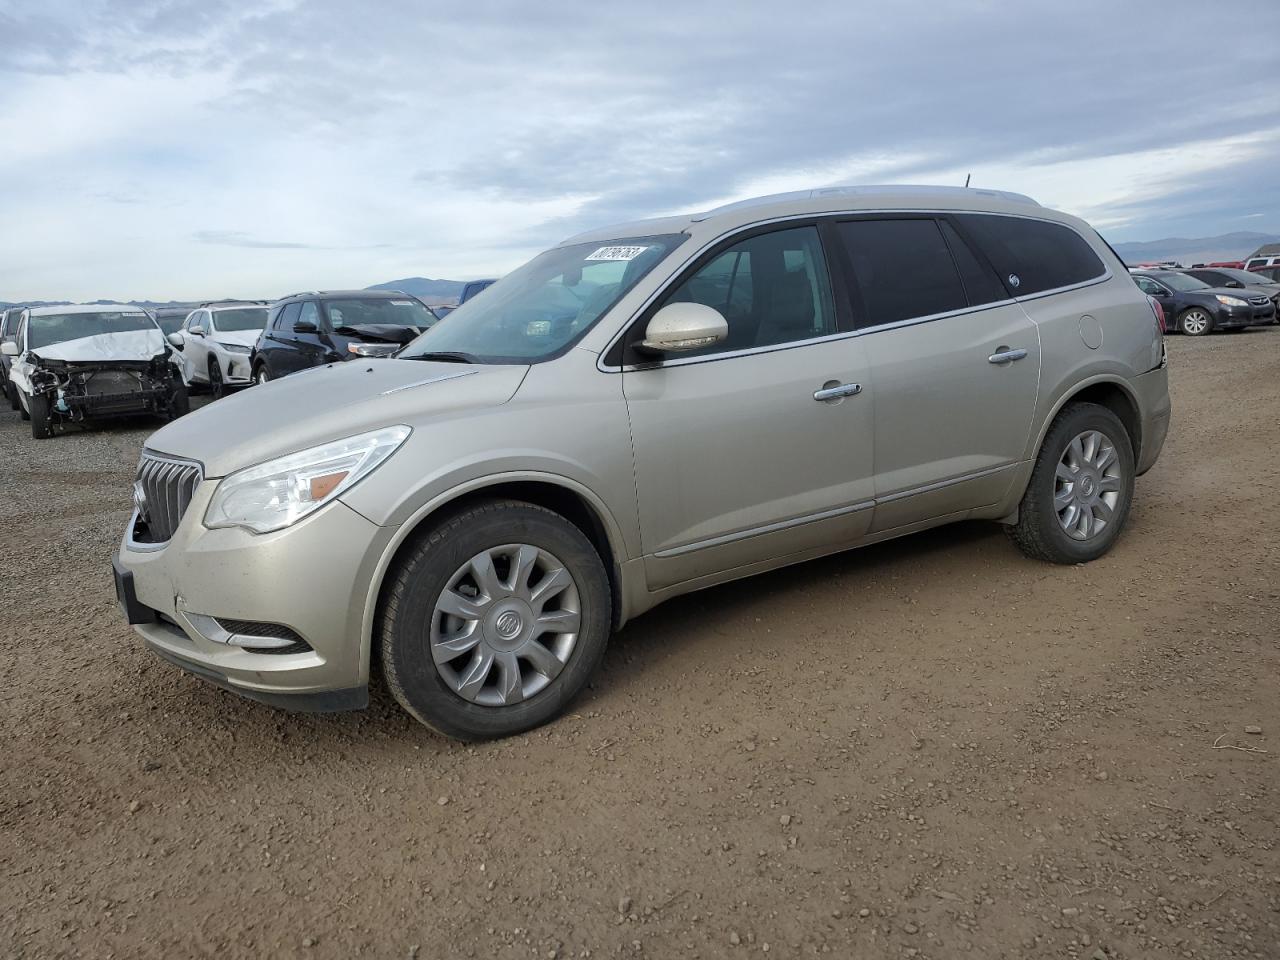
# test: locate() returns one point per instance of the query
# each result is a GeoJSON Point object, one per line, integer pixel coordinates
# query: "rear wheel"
{"type": "Point", "coordinates": [217, 386]}
{"type": "Point", "coordinates": [1195, 322]}
{"type": "Point", "coordinates": [1081, 488]}
{"type": "Point", "coordinates": [494, 621]}
{"type": "Point", "coordinates": [180, 402]}
{"type": "Point", "coordinates": [41, 425]}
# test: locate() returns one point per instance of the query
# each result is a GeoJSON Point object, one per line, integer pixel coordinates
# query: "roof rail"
{"type": "Point", "coordinates": [872, 190]}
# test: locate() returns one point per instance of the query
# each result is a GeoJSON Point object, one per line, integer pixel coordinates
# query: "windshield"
{"type": "Point", "coordinates": [1180, 281]}
{"type": "Point", "coordinates": [1243, 276]}
{"type": "Point", "coordinates": [60, 327]}
{"type": "Point", "coordinates": [537, 311]}
{"type": "Point", "coordinates": [378, 310]}
{"type": "Point", "coordinates": [242, 318]}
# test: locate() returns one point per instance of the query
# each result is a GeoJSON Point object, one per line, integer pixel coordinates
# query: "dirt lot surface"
{"type": "Point", "coordinates": [931, 748]}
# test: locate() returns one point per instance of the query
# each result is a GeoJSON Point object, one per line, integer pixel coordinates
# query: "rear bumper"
{"type": "Point", "coordinates": [1156, 410]}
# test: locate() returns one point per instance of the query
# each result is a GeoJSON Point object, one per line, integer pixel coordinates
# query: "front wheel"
{"type": "Point", "coordinates": [1195, 322]}
{"type": "Point", "coordinates": [261, 374]}
{"type": "Point", "coordinates": [11, 392]}
{"type": "Point", "coordinates": [494, 621]}
{"type": "Point", "coordinates": [41, 423]}
{"type": "Point", "coordinates": [1081, 488]}
{"type": "Point", "coordinates": [217, 386]}
{"type": "Point", "coordinates": [22, 404]}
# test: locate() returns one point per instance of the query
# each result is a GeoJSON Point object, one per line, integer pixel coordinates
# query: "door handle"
{"type": "Point", "coordinates": [1005, 355]}
{"type": "Point", "coordinates": [833, 390]}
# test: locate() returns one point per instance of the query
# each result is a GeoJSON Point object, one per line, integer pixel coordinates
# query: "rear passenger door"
{"type": "Point", "coordinates": [954, 366]}
{"type": "Point", "coordinates": [278, 344]}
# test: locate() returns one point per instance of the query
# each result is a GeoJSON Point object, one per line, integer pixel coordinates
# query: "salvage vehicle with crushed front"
{"type": "Point", "coordinates": [80, 363]}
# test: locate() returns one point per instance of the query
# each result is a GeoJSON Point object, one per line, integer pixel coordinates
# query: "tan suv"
{"type": "Point", "coordinates": [637, 413]}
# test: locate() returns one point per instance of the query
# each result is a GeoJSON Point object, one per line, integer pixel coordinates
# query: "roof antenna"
{"type": "Point", "coordinates": [966, 179]}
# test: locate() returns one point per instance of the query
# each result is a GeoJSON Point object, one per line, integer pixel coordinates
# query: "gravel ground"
{"type": "Point", "coordinates": [930, 748]}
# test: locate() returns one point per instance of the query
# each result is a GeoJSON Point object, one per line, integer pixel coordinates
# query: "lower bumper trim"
{"type": "Point", "coordinates": [324, 701]}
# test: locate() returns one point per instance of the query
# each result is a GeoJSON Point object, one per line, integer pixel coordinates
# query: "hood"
{"type": "Point", "coordinates": [386, 332]}
{"type": "Point", "coordinates": [328, 403]}
{"type": "Point", "coordinates": [246, 338]}
{"type": "Point", "coordinates": [123, 345]}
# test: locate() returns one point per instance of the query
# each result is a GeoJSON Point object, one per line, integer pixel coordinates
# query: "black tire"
{"type": "Point", "coordinates": [180, 402]}
{"type": "Point", "coordinates": [22, 409]}
{"type": "Point", "coordinates": [1038, 532]}
{"type": "Point", "coordinates": [261, 373]}
{"type": "Point", "coordinates": [11, 392]}
{"type": "Point", "coordinates": [420, 576]}
{"type": "Point", "coordinates": [217, 386]}
{"type": "Point", "coordinates": [41, 425]}
{"type": "Point", "coordinates": [1190, 312]}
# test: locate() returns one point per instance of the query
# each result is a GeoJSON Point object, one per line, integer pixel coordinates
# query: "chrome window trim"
{"type": "Point", "coordinates": [603, 367]}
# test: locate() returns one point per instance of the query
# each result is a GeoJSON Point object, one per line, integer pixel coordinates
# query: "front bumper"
{"type": "Point", "coordinates": [237, 370]}
{"type": "Point", "coordinates": [88, 406]}
{"type": "Point", "coordinates": [1232, 317]}
{"type": "Point", "coordinates": [312, 577]}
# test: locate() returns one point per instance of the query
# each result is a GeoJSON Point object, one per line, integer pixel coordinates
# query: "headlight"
{"type": "Point", "coordinates": [235, 347]}
{"type": "Point", "coordinates": [372, 349]}
{"type": "Point", "coordinates": [281, 492]}
{"type": "Point", "coordinates": [1231, 301]}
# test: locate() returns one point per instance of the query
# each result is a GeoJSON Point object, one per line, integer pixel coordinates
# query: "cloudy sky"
{"type": "Point", "coordinates": [198, 148]}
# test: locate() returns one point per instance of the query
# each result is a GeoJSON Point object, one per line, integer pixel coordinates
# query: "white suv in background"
{"type": "Point", "coordinates": [216, 340]}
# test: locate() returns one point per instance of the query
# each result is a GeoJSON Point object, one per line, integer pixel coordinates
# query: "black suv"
{"type": "Point", "coordinates": [312, 329]}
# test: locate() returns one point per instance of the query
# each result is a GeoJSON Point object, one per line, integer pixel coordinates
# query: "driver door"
{"type": "Point", "coordinates": [737, 462]}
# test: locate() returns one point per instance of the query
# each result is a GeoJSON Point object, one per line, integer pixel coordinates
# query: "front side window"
{"type": "Point", "coordinates": [1148, 286]}
{"type": "Point", "coordinates": [538, 311]}
{"type": "Point", "coordinates": [1033, 255]}
{"type": "Point", "coordinates": [48, 329]}
{"type": "Point", "coordinates": [903, 270]}
{"type": "Point", "coordinates": [772, 288]}
{"type": "Point", "coordinates": [289, 316]}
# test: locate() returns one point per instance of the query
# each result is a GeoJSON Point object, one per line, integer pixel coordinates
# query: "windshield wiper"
{"type": "Point", "coordinates": [447, 356]}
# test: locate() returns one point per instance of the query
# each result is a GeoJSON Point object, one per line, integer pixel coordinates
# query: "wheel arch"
{"type": "Point", "coordinates": [571, 500]}
{"type": "Point", "coordinates": [1106, 391]}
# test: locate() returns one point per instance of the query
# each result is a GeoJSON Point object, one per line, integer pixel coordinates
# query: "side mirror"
{"type": "Point", "coordinates": [684, 326]}
{"type": "Point", "coordinates": [1236, 284]}
{"type": "Point", "coordinates": [305, 326]}
{"type": "Point", "coordinates": [175, 340]}
{"type": "Point", "coordinates": [9, 348]}
{"type": "Point", "coordinates": [196, 331]}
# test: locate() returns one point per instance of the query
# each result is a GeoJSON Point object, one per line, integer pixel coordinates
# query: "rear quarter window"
{"type": "Point", "coordinates": [1033, 256]}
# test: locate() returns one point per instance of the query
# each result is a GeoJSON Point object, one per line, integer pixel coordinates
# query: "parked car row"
{"type": "Point", "coordinates": [637, 413]}
{"type": "Point", "coordinates": [1197, 302]}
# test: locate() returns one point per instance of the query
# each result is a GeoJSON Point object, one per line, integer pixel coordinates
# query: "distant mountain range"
{"type": "Point", "coordinates": [424, 288]}
{"type": "Point", "coordinates": [1228, 246]}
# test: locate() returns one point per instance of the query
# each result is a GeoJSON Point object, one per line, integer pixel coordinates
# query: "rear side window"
{"type": "Point", "coordinates": [1033, 255]}
{"type": "Point", "coordinates": [903, 269]}
{"type": "Point", "coordinates": [288, 317]}
{"type": "Point", "coordinates": [980, 283]}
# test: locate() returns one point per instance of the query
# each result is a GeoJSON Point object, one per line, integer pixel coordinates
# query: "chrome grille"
{"type": "Point", "coordinates": [1259, 301]}
{"type": "Point", "coordinates": [162, 494]}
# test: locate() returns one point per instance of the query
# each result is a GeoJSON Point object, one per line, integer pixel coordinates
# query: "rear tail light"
{"type": "Point", "coordinates": [1158, 311]}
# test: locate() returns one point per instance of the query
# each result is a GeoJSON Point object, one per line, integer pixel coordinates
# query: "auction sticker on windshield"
{"type": "Point", "coordinates": [617, 253]}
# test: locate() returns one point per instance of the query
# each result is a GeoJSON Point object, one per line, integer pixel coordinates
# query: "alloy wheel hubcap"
{"type": "Point", "coordinates": [1087, 485]}
{"type": "Point", "coordinates": [1195, 322]}
{"type": "Point", "coordinates": [505, 625]}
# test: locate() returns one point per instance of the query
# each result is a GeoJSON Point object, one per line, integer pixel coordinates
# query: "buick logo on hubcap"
{"type": "Point", "coordinates": [508, 624]}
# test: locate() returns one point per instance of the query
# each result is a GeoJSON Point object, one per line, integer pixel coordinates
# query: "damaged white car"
{"type": "Point", "coordinates": [73, 364]}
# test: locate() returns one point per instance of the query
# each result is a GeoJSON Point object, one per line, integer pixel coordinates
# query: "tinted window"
{"type": "Point", "coordinates": [772, 288]}
{"type": "Point", "coordinates": [288, 317]}
{"type": "Point", "coordinates": [380, 311]}
{"type": "Point", "coordinates": [903, 269]}
{"type": "Point", "coordinates": [981, 285]}
{"type": "Point", "coordinates": [308, 313]}
{"type": "Point", "coordinates": [1211, 277]}
{"type": "Point", "coordinates": [1148, 286]}
{"type": "Point", "coordinates": [1037, 254]}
